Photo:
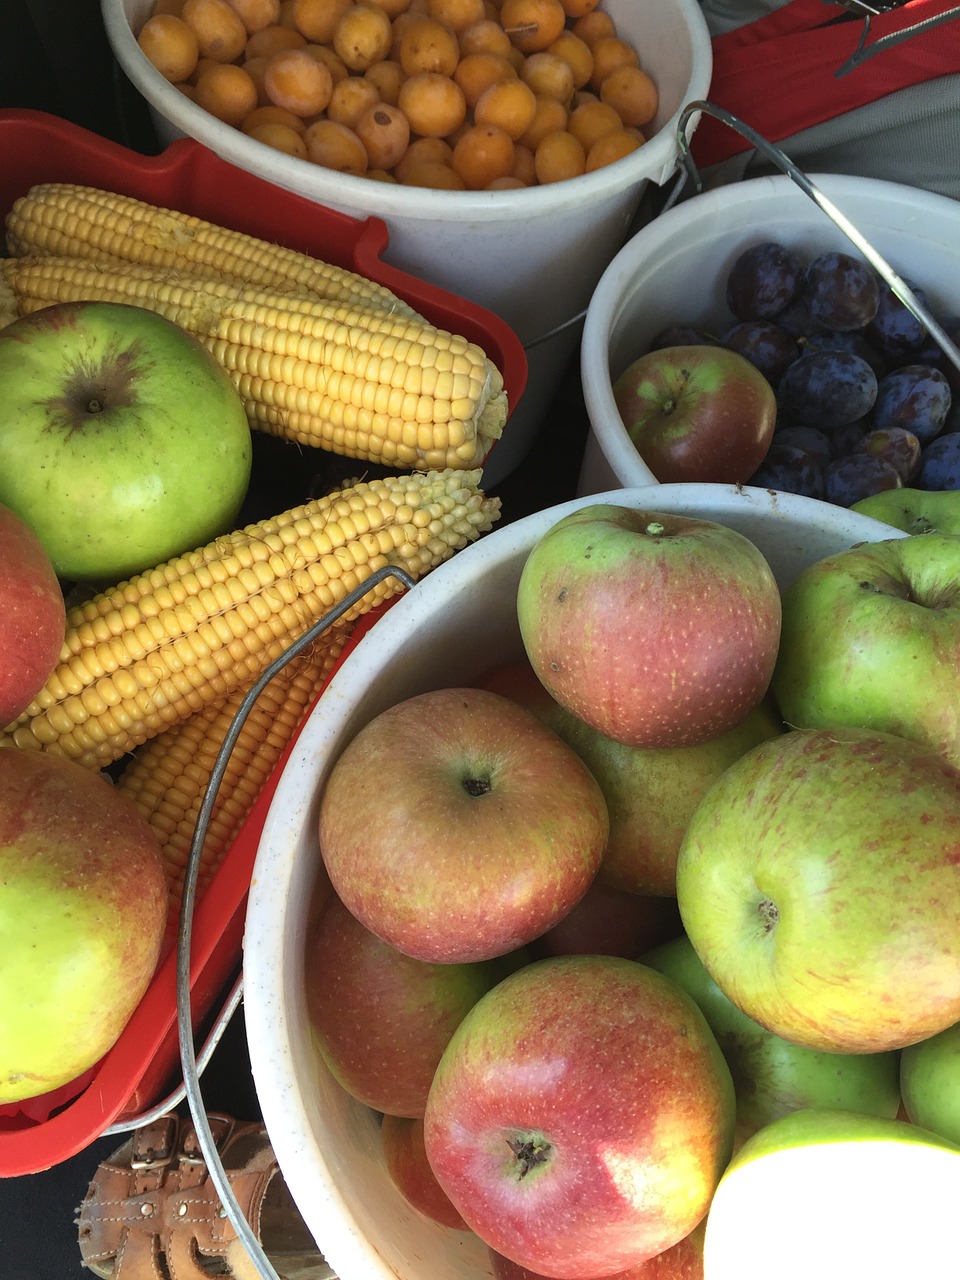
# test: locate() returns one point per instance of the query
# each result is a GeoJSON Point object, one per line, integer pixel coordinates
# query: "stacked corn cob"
{"type": "Point", "coordinates": [317, 356]}
{"type": "Point", "coordinates": [147, 654]}
{"type": "Point", "coordinates": [167, 778]}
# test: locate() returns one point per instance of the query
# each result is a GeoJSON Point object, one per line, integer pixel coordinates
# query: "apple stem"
{"type": "Point", "coordinates": [529, 1153]}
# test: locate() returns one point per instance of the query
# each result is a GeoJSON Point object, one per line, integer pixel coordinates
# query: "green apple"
{"type": "Point", "coordinates": [871, 638]}
{"type": "Point", "coordinates": [652, 792]}
{"type": "Point", "coordinates": [123, 441]}
{"type": "Point", "coordinates": [930, 1082]}
{"type": "Point", "coordinates": [32, 616]}
{"type": "Point", "coordinates": [835, 1195]}
{"type": "Point", "coordinates": [818, 883]}
{"type": "Point", "coordinates": [914, 510]}
{"type": "Point", "coordinates": [83, 907]}
{"type": "Point", "coordinates": [773, 1076]}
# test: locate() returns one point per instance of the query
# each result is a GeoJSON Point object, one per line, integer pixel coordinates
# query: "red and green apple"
{"type": "Point", "coordinates": [581, 1116]}
{"type": "Point", "coordinates": [818, 883]}
{"type": "Point", "coordinates": [457, 826]}
{"type": "Point", "coordinates": [657, 630]}
{"type": "Point", "coordinates": [381, 1019]}
{"type": "Point", "coordinates": [697, 413]}
{"type": "Point", "coordinates": [83, 907]}
{"type": "Point", "coordinates": [32, 616]}
{"type": "Point", "coordinates": [773, 1076]}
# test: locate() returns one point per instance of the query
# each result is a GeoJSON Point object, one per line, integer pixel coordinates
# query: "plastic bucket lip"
{"type": "Point", "coordinates": [326, 1144]}
{"type": "Point", "coordinates": [702, 230]}
{"type": "Point", "coordinates": [655, 160]}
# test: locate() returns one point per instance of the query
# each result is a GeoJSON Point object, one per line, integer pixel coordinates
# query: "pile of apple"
{"type": "Point", "coordinates": [647, 947]}
{"type": "Point", "coordinates": [122, 443]}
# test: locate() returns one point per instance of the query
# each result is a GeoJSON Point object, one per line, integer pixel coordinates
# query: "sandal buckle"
{"type": "Point", "coordinates": [154, 1144]}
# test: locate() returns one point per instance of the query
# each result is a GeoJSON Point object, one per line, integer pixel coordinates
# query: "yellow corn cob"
{"type": "Point", "coordinates": [356, 381]}
{"type": "Point", "coordinates": [8, 300]}
{"type": "Point", "coordinates": [168, 776]}
{"type": "Point", "coordinates": [84, 222]}
{"type": "Point", "coordinates": [148, 653]}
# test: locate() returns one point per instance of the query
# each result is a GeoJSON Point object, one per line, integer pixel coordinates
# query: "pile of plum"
{"type": "Point", "coordinates": [866, 398]}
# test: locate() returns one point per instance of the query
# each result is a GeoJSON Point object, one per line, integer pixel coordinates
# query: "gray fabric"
{"type": "Point", "coordinates": [912, 136]}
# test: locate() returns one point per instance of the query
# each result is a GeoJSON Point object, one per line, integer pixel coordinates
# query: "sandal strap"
{"type": "Point", "coordinates": [155, 1196]}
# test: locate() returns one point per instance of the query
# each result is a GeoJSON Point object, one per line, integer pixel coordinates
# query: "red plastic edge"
{"type": "Point", "coordinates": [36, 147]}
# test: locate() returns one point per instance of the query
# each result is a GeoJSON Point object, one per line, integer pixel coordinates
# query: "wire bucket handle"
{"type": "Point", "coordinates": [690, 173]}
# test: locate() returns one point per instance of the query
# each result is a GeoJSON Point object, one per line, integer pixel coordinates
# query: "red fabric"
{"type": "Point", "coordinates": [777, 74]}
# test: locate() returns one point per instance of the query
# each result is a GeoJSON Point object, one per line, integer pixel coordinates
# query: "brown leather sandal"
{"type": "Point", "coordinates": [152, 1211]}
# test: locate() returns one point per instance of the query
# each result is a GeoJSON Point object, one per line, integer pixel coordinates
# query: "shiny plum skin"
{"type": "Point", "coordinates": [867, 398]}
{"type": "Point", "coordinates": [763, 280]}
{"type": "Point", "coordinates": [827, 389]}
{"type": "Point", "coordinates": [894, 329]}
{"type": "Point", "coordinates": [851, 340]}
{"type": "Point", "coordinates": [854, 476]}
{"type": "Point", "coordinates": [916, 397]}
{"type": "Point", "coordinates": [840, 290]}
{"type": "Point", "coordinates": [810, 439]}
{"type": "Point", "coordinates": [768, 347]}
{"type": "Point", "coordinates": [895, 445]}
{"type": "Point", "coordinates": [940, 463]}
{"type": "Point", "coordinates": [789, 469]}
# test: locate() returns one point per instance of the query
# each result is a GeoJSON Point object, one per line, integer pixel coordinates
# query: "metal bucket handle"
{"type": "Point", "coordinates": [689, 172]}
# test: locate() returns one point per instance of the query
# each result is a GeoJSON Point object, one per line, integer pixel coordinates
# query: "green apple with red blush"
{"type": "Point", "coordinates": [457, 826]}
{"type": "Point", "coordinates": [818, 883]}
{"type": "Point", "coordinates": [773, 1076]}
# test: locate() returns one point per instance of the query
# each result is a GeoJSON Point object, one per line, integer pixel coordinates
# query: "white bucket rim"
{"type": "Point", "coordinates": [654, 161]}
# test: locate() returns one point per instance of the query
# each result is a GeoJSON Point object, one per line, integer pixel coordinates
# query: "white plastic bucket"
{"type": "Point", "coordinates": [674, 271]}
{"type": "Point", "coordinates": [532, 256]}
{"type": "Point", "coordinates": [448, 630]}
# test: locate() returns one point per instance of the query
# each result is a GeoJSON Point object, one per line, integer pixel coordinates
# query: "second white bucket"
{"type": "Point", "coordinates": [532, 256]}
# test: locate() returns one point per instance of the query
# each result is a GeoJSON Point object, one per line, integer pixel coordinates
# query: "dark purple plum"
{"type": "Point", "coordinates": [827, 389]}
{"type": "Point", "coordinates": [840, 290]}
{"type": "Point", "coordinates": [897, 446]}
{"type": "Point", "coordinates": [768, 347]}
{"type": "Point", "coordinates": [940, 463]}
{"type": "Point", "coordinates": [810, 439]}
{"type": "Point", "coordinates": [851, 340]}
{"type": "Point", "coordinates": [894, 329]}
{"type": "Point", "coordinates": [797, 321]}
{"type": "Point", "coordinates": [788, 469]}
{"type": "Point", "coordinates": [857, 475]}
{"type": "Point", "coordinates": [916, 397]}
{"type": "Point", "coordinates": [763, 280]}
{"type": "Point", "coordinates": [846, 439]}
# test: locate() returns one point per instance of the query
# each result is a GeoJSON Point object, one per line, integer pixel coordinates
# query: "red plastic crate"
{"type": "Point", "coordinates": [35, 147]}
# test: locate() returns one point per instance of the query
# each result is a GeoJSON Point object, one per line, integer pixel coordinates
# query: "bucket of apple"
{"type": "Point", "coordinates": [741, 337]}
{"type": "Point", "coordinates": [564, 953]}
